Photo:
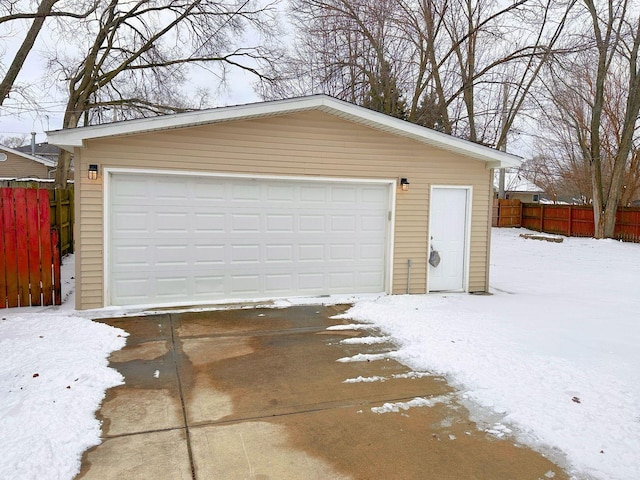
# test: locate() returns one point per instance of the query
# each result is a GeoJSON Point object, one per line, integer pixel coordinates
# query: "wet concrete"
{"type": "Point", "coordinates": [266, 394]}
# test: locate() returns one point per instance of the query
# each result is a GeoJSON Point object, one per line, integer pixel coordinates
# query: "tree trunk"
{"type": "Point", "coordinates": [598, 211]}
{"type": "Point", "coordinates": [27, 44]}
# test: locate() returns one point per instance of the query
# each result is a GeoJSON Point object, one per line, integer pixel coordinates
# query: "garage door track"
{"type": "Point", "coordinates": [285, 394]}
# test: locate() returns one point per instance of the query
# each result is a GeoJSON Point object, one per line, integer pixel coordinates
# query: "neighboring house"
{"type": "Point", "coordinates": [17, 165]}
{"type": "Point", "coordinates": [516, 186]}
{"type": "Point", "coordinates": [298, 197]}
{"type": "Point", "coordinates": [48, 151]}
{"type": "Point", "coordinates": [42, 150]}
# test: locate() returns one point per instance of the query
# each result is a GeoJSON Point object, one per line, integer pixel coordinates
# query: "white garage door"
{"type": "Point", "coordinates": [181, 239]}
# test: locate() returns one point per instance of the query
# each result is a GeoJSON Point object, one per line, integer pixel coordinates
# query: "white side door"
{"type": "Point", "coordinates": [449, 215]}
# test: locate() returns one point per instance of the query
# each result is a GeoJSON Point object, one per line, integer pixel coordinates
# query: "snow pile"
{"type": "Point", "coordinates": [53, 376]}
{"type": "Point", "coordinates": [365, 340]}
{"type": "Point", "coordinates": [366, 357]}
{"type": "Point", "coordinates": [553, 353]}
{"type": "Point", "coordinates": [361, 379]}
{"type": "Point", "coordinates": [416, 402]}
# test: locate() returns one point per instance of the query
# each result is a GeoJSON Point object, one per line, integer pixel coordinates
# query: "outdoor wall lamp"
{"type": "Point", "coordinates": [404, 184]}
{"type": "Point", "coordinates": [93, 172]}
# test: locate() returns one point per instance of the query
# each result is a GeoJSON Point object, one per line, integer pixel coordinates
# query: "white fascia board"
{"type": "Point", "coordinates": [42, 160]}
{"type": "Point", "coordinates": [70, 138]}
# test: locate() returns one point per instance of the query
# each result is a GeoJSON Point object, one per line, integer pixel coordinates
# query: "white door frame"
{"type": "Point", "coordinates": [106, 211]}
{"type": "Point", "coordinates": [467, 241]}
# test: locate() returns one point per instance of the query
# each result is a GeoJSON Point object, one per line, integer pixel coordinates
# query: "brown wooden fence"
{"type": "Point", "coordinates": [507, 213]}
{"type": "Point", "coordinates": [29, 254]}
{"type": "Point", "coordinates": [569, 220]}
{"type": "Point", "coordinates": [62, 212]}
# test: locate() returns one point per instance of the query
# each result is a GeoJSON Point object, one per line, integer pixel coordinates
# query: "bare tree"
{"type": "Point", "coordinates": [10, 12]}
{"type": "Point", "coordinates": [134, 56]}
{"type": "Point", "coordinates": [446, 61]}
{"type": "Point", "coordinates": [13, 141]}
{"type": "Point", "coordinates": [597, 92]}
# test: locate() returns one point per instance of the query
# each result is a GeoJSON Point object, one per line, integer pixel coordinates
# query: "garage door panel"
{"type": "Point", "coordinates": [130, 256]}
{"type": "Point", "coordinates": [171, 191]}
{"type": "Point", "coordinates": [245, 254]}
{"type": "Point", "coordinates": [344, 195]}
{"type": "Point", "coordinates": [132, 222]}
{"type": "Point", "coordinates": [245, 222]}
{"type": "Point", "coordinates": [278, 223]}
{"type": "Point", "coordinates": [310, 282]}
{"type": "Point", "coordinates": [209, 222]}
{"type": "Point", "coordinates": [311, 223]}
{"type": "Point", "coordinates": [343, 223]}
{"type": "Point", "coordinates": [279, 283]}
{"type": "Point", "coordinates": [207, 285]}
{"type": "Point", "coordinates": [374, 196]}
{"type": "Point", "coordinates": [171, 222]}
{"type": "Point", "coordinates": [172, 287]}
{"type": "Point", "coordinates": [245, 284]}
{"type": "Point", "coordinates": [207, 255]}
{"type": "Point", "coordinates": [342, 282]}
{"type": "Point", "coordinates": [172, 255]}
{"type": "Point", "coordinates": [244, 192]}
{"type": "Point", "coordinates": [194, 238]}
{"type": "Point", "coordinates": [279, 253]}
{"type": "Point", "coordinates": [207, 191]}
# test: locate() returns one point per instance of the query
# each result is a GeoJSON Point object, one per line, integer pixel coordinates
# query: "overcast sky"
{"type": "Point", "coordinates": [18, 117]}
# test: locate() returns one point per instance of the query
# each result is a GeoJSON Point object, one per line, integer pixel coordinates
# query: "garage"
{"type": "Point", "coordinates": [186, 238]}
{"type": "Point", "coordinates": [305, 196]}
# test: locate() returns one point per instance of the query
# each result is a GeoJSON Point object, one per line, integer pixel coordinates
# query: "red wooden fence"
{"type": "Point", "coordinates": [29, 255]}
{"type": "Point", "coordinates": [570, 220]}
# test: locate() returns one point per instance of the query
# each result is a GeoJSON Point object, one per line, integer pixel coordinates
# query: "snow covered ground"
{"type": "Point", "coordinates": [53, 376]}
{"type": "Point", "coordinates": [553, 355]}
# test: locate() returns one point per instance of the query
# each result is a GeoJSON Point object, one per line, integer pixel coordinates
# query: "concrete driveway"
{"type": "Point", "coordinates": [262, 394]}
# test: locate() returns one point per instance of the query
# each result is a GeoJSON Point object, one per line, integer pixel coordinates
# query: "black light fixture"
{"type": "Point", "coordinates": [93, 172]}
{"type": "Point", "coordinates": [404, 184]}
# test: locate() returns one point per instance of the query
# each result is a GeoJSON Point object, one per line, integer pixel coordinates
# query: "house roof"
{"type": "Point", "coordinates": [42, 149]}
{"type": "Point", "coordinates": [70, 138]}
{"type": "Point", "coordinates": [28, 156]}
{"type": "Point", "coordinates": [515, 181]}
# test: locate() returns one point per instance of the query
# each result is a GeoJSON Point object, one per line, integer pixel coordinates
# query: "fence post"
{"type": "Point", "coordinates": [570, 221]}
{"type": "Point", "coordinates": [520, 214]}
{"type": "Point", "coordinates": [541, 217]}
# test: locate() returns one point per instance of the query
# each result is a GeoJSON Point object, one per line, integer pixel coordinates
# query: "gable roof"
{"type": "Point", "coordinates": [515, 181]}
{"type": "Point", "coordinates": [45, 161]}
{"type": "Point", "coordinates": [43, 149]}
{"type": "Point", "coordinates": [70, 138]}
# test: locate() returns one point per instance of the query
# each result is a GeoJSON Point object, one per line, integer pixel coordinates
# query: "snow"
{"type": "Point", "coordinates": [365, 340]}
{"type": "Point", "coordinates": [361, 379]}
{"type": "Point", "coordinates": [416, 402]}
{"type": "Point", "coordinates": [551, 358]}
{"type": "Point", "coordinates": [53, 377]}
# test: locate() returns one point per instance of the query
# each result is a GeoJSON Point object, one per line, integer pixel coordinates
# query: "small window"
{"type": "Point", "coordinates": [536, 198]}
{"type": "Point", "coordinates": [506, 196]}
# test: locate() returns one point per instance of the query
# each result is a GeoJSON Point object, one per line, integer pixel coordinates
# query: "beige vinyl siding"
{"type": "Point", "coordinates": [16, 166]}
{"type": "Point", "coordinates": [308, 143]}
